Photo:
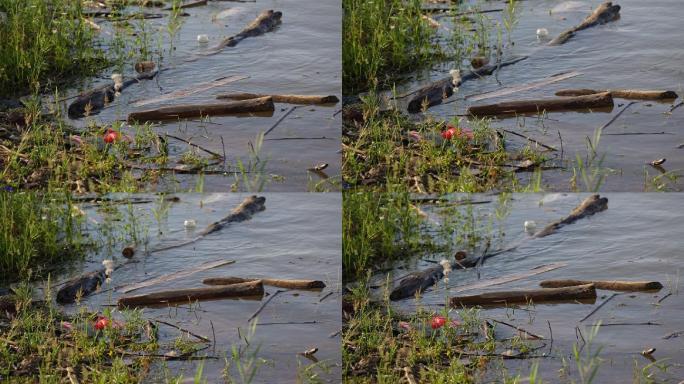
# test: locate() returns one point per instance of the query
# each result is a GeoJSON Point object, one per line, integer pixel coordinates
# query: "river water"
{"type": "Point", "coordinates": [298, 236]}
{"type": "Point", "coordinates": [302, 56]}
{"type": "Point", "coordinates": [637, 238]}
{"type": "Point", "coordinates": [642, 50]}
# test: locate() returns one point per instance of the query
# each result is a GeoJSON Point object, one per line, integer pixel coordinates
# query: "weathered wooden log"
{"type": "Point", "coordinates": [263, 104]}
{"type": "Point", "coordinates": [605, 13]}
{"type": "Point", "coordinates": [611, 285]}
{"type": "Point", "coordinates": [589, 206]}
{"type": "Point", "coordinates": [290, 99]}
{"type": "Point", "coordinates": [566, 294]}
{"type": "Point", "coordinates": [92, 102]}
{"type": "Point", "coordinates": [250, 289]}
{"type": "Point", "coordinates": [282, 283]}
{"type": "Point", "coordinates": [81, 286]}
{"type": "Point", "coordinates": [599, 100]}
{"type": "Point", "coordinates": [266, 21]}
{"type": "Point", "coordinates": [635, 94]}
{"type": "Point", "coordinates": [435, 92]}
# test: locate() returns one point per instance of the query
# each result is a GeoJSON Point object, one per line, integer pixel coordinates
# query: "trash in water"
{"type": "Point", "coordinates": [189, 224]}
{"type": "Point", "coordinates": [542, 33]}
{"type": "Point", "coordinates": [202, 39]}
{"type": "Point", "coordinates": [530, 226]}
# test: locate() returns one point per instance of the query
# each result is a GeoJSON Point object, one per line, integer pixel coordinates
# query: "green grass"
{"type": "Point", "coordinates": [45, 43]}
{"type": "Point", "coordinates": [37, 233]}
{"type": "Point", "coordinates": [382, 40]}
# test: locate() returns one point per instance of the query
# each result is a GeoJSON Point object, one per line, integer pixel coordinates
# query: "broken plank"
{"type": "Point", "coordinates": [251, 289]}
{"type": "Point", "coordinates": [599, 100]}
{"type": "Point", "coordinates": [290, 99]}
{"type": "Point", "coordinates": [634, 94]}
{"type": "Point", "coordinates": [264, 104]}
{"type": "Point", "coordinates": [174, 276]}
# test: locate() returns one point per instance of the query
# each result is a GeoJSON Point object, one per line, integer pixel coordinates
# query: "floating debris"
{"type": "Point", "coordinates": [190, 224]}
{"type": "Point", "coordinates": [203, 39]}
{"type": "Point", "coordinates": [542, 33]}
{"type": "Point", "coordinates": [658, 162]}
{"type": "Point", "coordinates": [530, 226]}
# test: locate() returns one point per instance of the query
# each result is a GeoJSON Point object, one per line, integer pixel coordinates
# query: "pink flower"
{"type": "Point", "coordinates": [437, 321]}
{"type": "Point", "coordinates": [405, 325]}
{"type": "Point", "coordinates": [456, 132]}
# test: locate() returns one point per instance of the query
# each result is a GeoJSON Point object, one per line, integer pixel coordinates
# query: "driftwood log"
{"type": "Point", "coordinates": [249, 206]}
{"type": "Point", "coordinates": [81, 286]}
{"type": "Point", "coordinates": [290, 99]}
{"type": "Point", "coordinates": [93, 101]}
{"type": "Point", "coordinates": [263, 104]}
{"type": "Point", "coordinates": [635, 94]}
{"type": "Point", "coordinates": [250, 289]}
{"type": "Point", "coordinates": [266, 21]}
{"type": "Point", "coordinates": [589, 206]}
{"type": "Point", "coordinates": [605, 13]}
{"type": "Point", "coordinates": [611, 285]}
{"type": "Point", "coordinates": [599, 100]}
{"type": "Point", "coordinates": [421, 280]}
{"type": "Point", "coordinates": [435, 92]}
{"type": "Point", "coordinates": [566, 294]}
{"type": "Point", "coordinates": [282, 283]}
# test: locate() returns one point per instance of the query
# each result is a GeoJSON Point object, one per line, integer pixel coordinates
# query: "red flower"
{"type": "Point", "coordinates": [111, 136]}
{"type": "Point", "coordinates": [101, 323]}
{"type": "Point", "coordinates": [438, 321]}
{"type": "Point", "coordinates": [455, 132]}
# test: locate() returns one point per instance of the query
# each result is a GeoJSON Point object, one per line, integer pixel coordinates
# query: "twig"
{"type": "Point", "coordinates": [223, 145]}
{"type": "Point", "coordinates": [519, 329]}
{"type": "Point", "coordinates": [264, 304]}
{"type": "Point", "coordinates": [599, 307]}
{"type": "Point", "coordinates": [195, 145]}
{"type": "Point", "coordinates": [183, 330]}
{"type": "Point", "coordinates": [290, 322]}
{"type": "Point", "coordinates": [326, 296]}
{"type": "Point", "coordinates": [561, 144]}
{"type": "Point", "coordinates": [644, 323]}
{"type": "Point", "coordinates": [664, 297]}
{"type": "Point", "coordinates": [279, 120]}
{"type": "Point", "coordinates": [616, 116]}
{"type": "Point", "coordinates": [530, 139]}
{"type": "Point", "coordinates": [676, 106]}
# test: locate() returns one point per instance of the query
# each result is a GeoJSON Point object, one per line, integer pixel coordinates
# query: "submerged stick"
{"type": "Point", "coordinates": [176, 275]}
{"type": "Point", "coordinates": [599, 100]}
{"type": "Point", "coordinates": [635, 94]}
{"type": "Point", "coordinates": [282, 283]}
{"type": "Point", "coordinates": [589, 206]}
{"type": "Point", "coordinates": [255, 288]}
{"type": "Point", "coordinates": [611, 285]}
{"type": "Point", "coordinates": [261, 308]}
{"type": "Point", "coordinates": [263, 104]}
{"type": "Point", "coordinates": [605, 13]}
{"type": "Point", "coordinates": [291, 99]}
{"type": "Point", "coordinates": [567, 294]}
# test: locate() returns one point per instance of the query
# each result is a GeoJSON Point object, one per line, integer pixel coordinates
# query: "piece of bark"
{"type": "Point", "coordinates": [599, 100]}
{"type": "Point", "coordinates": [290, 99]}
{"type": "Point", "coordinates": [605, 13]}
{"type": "Point", "coordinates": [92, 102]}
{"type": "Point", "coordinates": [589, 206]}
{"type": "Point", "coordinates": [282, 283]}
{"type": "Point", "coordinates": [611, 285]}
{"type": "Point", "coordinates": [250, 289]}
{"type": "Point", "coordinates": [82, 285]}
{"type": "Point", "coordinates": [634, 94]}
{"type": "Point", "coordinates": [566, 294]}
{"type": "Point", "coordinates": [263, 104]}
{"type": "Point", "coordinates": [435, 92]}
{"type": "Point", "coordinates": [266, 21]}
